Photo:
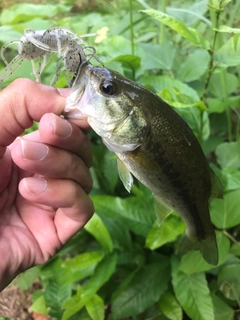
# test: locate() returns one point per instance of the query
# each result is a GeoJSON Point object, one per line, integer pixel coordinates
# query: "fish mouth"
{"type": "Point", "coordinates": [72, 109]}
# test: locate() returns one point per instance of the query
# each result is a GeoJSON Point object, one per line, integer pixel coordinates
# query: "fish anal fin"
{"type": "Point", "coordinates": [125, 175]}
{"type": "Point", "coordinates": [207, 247]}
{"type": "Point", "coordinates": [217, 191]}
{"type": "Point", "coordinates": [162, 210]}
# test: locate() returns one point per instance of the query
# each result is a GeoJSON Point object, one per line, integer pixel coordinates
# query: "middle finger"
{"type": "Point", "coordinates": [50, 161]}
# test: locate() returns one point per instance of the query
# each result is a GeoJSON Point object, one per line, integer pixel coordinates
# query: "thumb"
{"type": "Point", "coordinates": [22, 102]}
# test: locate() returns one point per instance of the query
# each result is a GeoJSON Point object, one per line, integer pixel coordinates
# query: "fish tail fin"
{"type": "Point", "coordinates": [207, 247]}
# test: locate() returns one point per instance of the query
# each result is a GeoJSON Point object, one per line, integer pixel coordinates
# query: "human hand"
{"type": "Point", "coordinates": [44, 177]}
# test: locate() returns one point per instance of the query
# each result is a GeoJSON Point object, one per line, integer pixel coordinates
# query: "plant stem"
{"type": "Point", "coordinates": [211, 53]}
{"type": "Point", "coordinates": [131, 26]}
{"type": "Point", "coordinates": [223, 78]}
{"type": "Point", "coordinates": [162, 37]}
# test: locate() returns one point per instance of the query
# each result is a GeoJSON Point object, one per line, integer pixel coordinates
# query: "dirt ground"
{"type": "Point", "coordinates": [15, 304]}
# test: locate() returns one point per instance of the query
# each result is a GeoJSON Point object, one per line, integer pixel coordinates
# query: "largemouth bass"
{"type": "Point", "coordinates": [153, 143]}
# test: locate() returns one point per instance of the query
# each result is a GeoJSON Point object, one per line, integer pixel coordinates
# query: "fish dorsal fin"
{"type": "Point", "coordinates": [125, 175]}
{"type": "Point", "coordinates": [162, 210]}
{"type": "Point", "coordinates": [217, 191]}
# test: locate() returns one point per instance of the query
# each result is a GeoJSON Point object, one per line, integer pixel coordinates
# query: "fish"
{"type": "Point", "coordinates": [153, 144]}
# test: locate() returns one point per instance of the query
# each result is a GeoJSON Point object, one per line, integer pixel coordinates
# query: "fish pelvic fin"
{"type": "Point", "coordinates": [207, 247]}
{"type": "Point", "coordinates": [217, 191]}
{"type": "Point", "coordinates": [125, 175]}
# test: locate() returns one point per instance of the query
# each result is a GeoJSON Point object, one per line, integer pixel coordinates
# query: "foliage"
{"type": "Point", "coordinates": [122, 264]}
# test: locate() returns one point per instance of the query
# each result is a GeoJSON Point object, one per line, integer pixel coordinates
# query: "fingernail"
{"type": "Point", "coordinates": [64, 92]}
{"type": "Point", "coordinates": [33, 150]}
{"type": "Point", "coordinates": [61, 127]}
{"type": "Point", "coordinates": [35, 185]}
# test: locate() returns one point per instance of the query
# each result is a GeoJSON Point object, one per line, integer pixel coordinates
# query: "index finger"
{"type": "Point", "coordinates": [22, 102]}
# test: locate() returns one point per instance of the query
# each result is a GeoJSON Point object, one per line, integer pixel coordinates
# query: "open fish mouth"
{"type": "Point", "coordinates": [72, 109]}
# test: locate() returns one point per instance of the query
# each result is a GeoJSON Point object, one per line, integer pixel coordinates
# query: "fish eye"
{"type": "Point", "coordinates": [108, 88]}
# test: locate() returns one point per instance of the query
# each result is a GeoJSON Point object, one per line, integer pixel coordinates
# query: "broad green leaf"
{"type": "Point", "coordinates": [158, 56]}
{"type": "Point", "coordinates": [25, 12]}
{"type": "Point", "coordinates": [27, 278]}
{"type": "Point", "coordinates": [222, 310]}
{"type": "Point", "coordinates": [225, 212]}
{"type": "Point", "coordinates": [229, 54]}
{"type": "Point", "coordinates": [228, 155]}
{"type": "Point", "coordinates": [194, 66]}
{"type": "Point", "coordinates": [227, 29]}
{"type": "Point", "coordinates": [193, 262]}
{"type": "Point", "coordinates": [7, 34]}
{"type": "Point", "coordinates": [98, 230]}
{"type": "Point", "coordinates": [39, 305]}
{"type": "Point", "coordinates": [168, 231]}
{"type": "Point", "coordinates": [84, 260]}
{"type": "Point", "coordinates": [179, 100]}
{"type": "Point", "coordinates": [119, 233]}
{"type": "Point", "coordinates": [136, 212]}
{"type": "Point", "coordinates": [102, 273]}
{"type": "Point", "coordinates": [144, 289]}
{"type": "Point", "coordinates": [218, 88]}
{"type": "Point", "coordinates": [191, 14]}
{"type": "Point", "coordinates": [128, 60]}
{"type": "Point", "coordinates": [193, 293]}
{"type": "Point", "coordinates": [95, 308]}
{"type": "Point", "coordinates": [159, 83]}
{"type": "Point", "coordinates": [198, 121]}
{"type": "Point", "coordinates": [192, 35]}
{"type": "Point", "coordinates": [215, 105]}
{"type": "Point", "coordinates": [229, 281]}
{"type": "Point", "coordinates": [170, 307]}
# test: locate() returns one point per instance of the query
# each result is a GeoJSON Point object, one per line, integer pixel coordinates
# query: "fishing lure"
{"type": "Point", "coordinates": [40, 46]}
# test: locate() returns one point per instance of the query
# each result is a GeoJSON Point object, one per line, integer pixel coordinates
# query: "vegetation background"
{"type": "Point", "coordinates": [122, 265]}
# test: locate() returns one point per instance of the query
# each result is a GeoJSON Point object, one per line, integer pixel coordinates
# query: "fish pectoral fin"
{"type": "Point", "coordinates": [217, 191]}
{"type": "Point", "coordinates": [120, 147]}
{"type": "Point", "coordinates": [207, 247]}
{"type": "Point", "coordinates": [162, 210]}
{"type": "Point", "coordinates": [125, 175]}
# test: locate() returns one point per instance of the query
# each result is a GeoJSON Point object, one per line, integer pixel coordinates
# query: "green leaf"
{"type": "Point", "coordinates": [102, 273]}
{"type": "Point", "coordinates": [27, 278]}
{"type": "Point", "coordinates": [158, 56]}
{"type": "Point", "coordinates": [119, 233]}
{"type": "Point", "coordinates": [137, 213]}
{"type": "Point", "coordinates": [179, 100]}
{"type": "Point", "coordinates": [84, 260]}
{"type": "Point", "coordinates": [193, 262]}
{"type": "Point", "coordinates": [25, 12]}
{"type": "Point", "coordinates": [194, 66]}
{"type": "Point", "coordinates": [192, 293]}
{"type": "Point", "coordinates": [229, 54]}
{"type": "Point", "coordinates": [227, 29]}
{"type": "Point", "coordinates": [192, 35]}
{"type": "Point", "coordinates": [218, 89]}
{"type": "Point", "coordinates": [168, 231]}
{"type": "Point", "coordinates": [159, 83]}
{"type": "Point", "coordinates": [228, 155]}
{"type": "Point", "coordinates": [95, 308]}
{"type": "Point", "coordinates": [170, 307]}
{"type": "Point", "coordinates": [39, 305]}
{"type": "Point", "coordinates": [222, 311]}
{"type": "Point", "coordinates": [225, 213]}
{"type": "Point", "coordinates": [144, 289]}
{"type": "Point", "coordinates": [229, 281]}
{"type": "Point", "coordinates": [128, 60]}
{"type": "Point", "coordinates": [98, 230]}
{"type": "Point", "coordinates": [215, 105]}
